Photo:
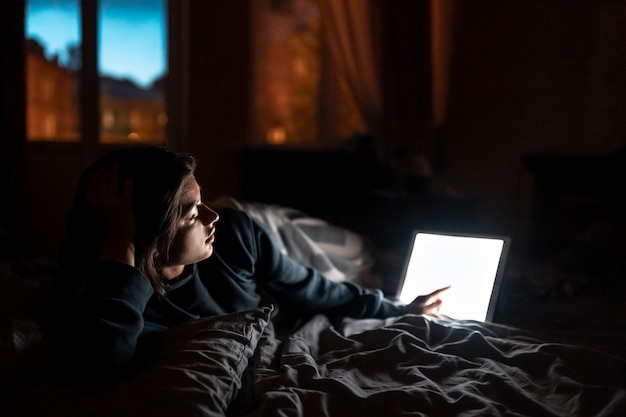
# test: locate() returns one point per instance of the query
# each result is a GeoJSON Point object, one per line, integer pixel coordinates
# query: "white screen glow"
{"type": "Point", "coordinates": [468, 264]}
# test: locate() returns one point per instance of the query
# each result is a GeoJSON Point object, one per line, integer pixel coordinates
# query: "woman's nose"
{"type": "Point", "coordinates": [208, 215]}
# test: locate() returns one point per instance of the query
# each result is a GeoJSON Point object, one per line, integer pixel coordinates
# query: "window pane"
{"type": "Point", "coordinates": [132, 66]}
{"type": "Point", "coordinates": [53, 60]}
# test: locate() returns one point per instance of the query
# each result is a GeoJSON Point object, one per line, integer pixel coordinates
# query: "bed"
{"type": "Point", "coordinates": [556, 348]}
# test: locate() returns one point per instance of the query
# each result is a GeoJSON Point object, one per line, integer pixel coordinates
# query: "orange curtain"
{"type": "Point", "coordinates": [348, 31]}
{"type": "Point", "coordinates": [383, 48]}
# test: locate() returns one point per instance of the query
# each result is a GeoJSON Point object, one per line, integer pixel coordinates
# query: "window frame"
{"type": "Point", "coordinates": [89, 82]}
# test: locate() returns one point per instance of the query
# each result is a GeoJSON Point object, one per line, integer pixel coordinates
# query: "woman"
{"type": "Point", "coordinates": [142, 253]}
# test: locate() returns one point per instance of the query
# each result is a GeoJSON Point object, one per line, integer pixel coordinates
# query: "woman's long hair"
{"type": "Point", "coordinates": [157, 175]}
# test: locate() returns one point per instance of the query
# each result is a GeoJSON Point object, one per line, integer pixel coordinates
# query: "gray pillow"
{"type": "Point", "coordinates": [193, 369]}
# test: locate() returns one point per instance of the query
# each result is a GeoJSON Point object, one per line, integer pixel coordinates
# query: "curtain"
{"type": "Point", "coordinates": [383, 49]}
{"type": "Point", "coordinates": [347, 29]}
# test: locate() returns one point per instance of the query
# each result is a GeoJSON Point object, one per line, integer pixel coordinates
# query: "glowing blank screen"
{"type": "Point", "coordinates": [468, 264]}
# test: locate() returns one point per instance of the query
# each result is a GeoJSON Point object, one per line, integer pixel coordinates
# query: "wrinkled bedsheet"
{"type": "Point", "coordinates": [422, 366]}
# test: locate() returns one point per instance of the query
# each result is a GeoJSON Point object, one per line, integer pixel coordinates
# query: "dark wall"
{"type": "Point", "coordinates": [530, 76]}
{"type": "Point", "coordinates": [11, 74]}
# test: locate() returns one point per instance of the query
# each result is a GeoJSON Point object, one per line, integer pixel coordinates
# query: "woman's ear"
{"type": "Point", "coordinates": [160, 252]}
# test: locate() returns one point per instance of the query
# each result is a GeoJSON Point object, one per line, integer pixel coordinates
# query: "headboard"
{"type": "Point", "coordinates": [326, 183]}
{"type": "Point", "coordinates": [351, 188]}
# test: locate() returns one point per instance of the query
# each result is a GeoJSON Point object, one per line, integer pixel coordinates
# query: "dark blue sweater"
{"type": "Point", "coordinates": [118, 306]}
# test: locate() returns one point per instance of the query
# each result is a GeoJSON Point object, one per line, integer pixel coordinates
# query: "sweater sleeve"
{"type": "Point", "coordinates": [102, 322]}
{"type": "Point", "coordinates": [299, 288]}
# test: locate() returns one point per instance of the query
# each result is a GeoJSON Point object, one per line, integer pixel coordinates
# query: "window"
{"type": "Point", "coordinates": [299, 99]}
{"type": "Point", "coordinates": [51, 78]}
{"type": "Point", "coordinates": [96, 63]}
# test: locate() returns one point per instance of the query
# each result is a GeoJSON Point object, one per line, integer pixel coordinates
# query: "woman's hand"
{"type": "Point", "coordinates": [111, 205]}
{"type": "Point", "coordinates": [427, 304]}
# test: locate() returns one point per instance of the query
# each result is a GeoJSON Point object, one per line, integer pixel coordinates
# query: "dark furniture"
{"type": "Point", "coordinates": [572, 192]}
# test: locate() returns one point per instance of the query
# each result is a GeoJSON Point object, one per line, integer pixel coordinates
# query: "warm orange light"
{"type": "Point", "coordinates": [276, 135]}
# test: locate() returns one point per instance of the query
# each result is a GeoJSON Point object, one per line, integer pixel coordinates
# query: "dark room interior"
{"type": "Point", "coordinates": [510, 80]}
{"type": "Point", "coordinates": [483, 116]}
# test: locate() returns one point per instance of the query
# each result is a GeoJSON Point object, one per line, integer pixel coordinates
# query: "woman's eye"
{"type": "Point", "coordinates": [192, 216]}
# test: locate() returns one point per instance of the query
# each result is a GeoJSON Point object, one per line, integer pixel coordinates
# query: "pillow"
{"type": "Point", "coordinates": [194, 369]}
{"type": "Point", "coordinates": [337, 252]}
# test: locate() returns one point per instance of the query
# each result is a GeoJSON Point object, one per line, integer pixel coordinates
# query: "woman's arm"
{"type": "Point", "coordinates": [249, 245]}
{"type": "Point", "coordinates": [101, 317]}
{"type": "Point", "coordinates": [101, 324]}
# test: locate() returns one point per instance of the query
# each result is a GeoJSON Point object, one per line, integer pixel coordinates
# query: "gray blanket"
{"type": "Point", "coordinates": [419, 366]}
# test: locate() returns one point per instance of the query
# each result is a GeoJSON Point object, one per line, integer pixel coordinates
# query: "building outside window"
{"type": "Point", "coordinates": [128, 58]}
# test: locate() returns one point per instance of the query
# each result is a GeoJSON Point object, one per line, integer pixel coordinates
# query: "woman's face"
{"type": "Point", "coordinates": [194, 238]}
